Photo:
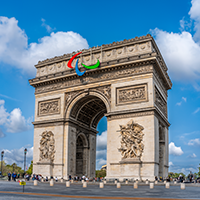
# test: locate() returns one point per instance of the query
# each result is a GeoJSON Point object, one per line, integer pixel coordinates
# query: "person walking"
{"type": "Point", "coordinates": [9, 176]}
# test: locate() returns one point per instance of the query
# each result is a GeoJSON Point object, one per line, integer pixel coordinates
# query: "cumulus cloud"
{"type": "Point", "coordinates": [171, 164]}
{"type": "Point", "coordinates": [173, 150]}
{"type": "Point", "coordinates": [15, 50]}
{"type": "Point", "coordinates": [17, 156]}
{"type": "Point", "coordinates": [181, 50]}
{"type": "Point", "coordinates": [101, 153]}
{"type": "Point", "coordinates": [194, 142]}
{"type": "Point", "coordinates": [14, 121]}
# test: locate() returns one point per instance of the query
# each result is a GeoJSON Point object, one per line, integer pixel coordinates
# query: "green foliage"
{"type": "Point", "coordinates": [100, 173]}
{"type": "Point", "coordinates": [199, 171]}
{"type": "Point", "coordinates": [30, 169]}
{"type": "Point", "coordinates": [175, 175]}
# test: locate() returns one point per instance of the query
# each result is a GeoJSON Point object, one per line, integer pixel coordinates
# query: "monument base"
{"type": "Point", "coordinates": [45, 168]}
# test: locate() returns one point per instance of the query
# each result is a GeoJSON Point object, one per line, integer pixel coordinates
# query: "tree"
{"type": "Point", "coordinates": [30, 169]}
{"type": "Point", "coordinates": [100, 173]}
{"type": "Point", "coordinates": [199, 171]}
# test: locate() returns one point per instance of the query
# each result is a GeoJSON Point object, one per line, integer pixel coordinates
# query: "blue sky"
{"type": "Point", "coordinates": [35, 30]}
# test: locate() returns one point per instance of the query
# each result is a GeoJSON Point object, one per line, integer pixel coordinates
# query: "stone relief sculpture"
{"type": "Point", "coordinates": [47, 146]}
{"type": "Point", "coordinates": [131, 140]}
{"type": "Point", "coordinates": [49, 107]}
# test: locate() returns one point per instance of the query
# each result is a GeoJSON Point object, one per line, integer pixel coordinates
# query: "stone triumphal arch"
{"type": "Point", "coordinates": [129, 88]}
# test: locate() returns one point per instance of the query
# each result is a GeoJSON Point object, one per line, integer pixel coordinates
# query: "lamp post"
{"type": "Point", "coordinates": [25, 151]}
{"type": "Point", "coordinates": [2, 153]}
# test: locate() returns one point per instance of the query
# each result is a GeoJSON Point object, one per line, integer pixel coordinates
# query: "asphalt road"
{"type": "Point", "coordinates": [76, 191]}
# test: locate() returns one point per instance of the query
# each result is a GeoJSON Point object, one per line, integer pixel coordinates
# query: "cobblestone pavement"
{"type": "Point", "coordinates": [76, 191]}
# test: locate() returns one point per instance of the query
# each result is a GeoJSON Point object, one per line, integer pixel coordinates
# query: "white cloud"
{"type": "Point", "coordinates": [181, 50]}
{"type": "Point", "coordinates": [195, 15]}
{"type": "Point", "coordinates": [186, 170]}
{"type": "Point", "coordinates": [1, 134]}
{"type": "Point", "coordinates": [196, 111]}
{"type": "Point", "coordinates": [17, 156]}
{"type": "Point", "coordinates": [171, 164]}
{"type": "Point", "coordinates": [184, 99]}
{"type": "Point", "coordinates": [194, 142]}
{"type": "Point", "coordinates": [102, 141]}
{"type": "Point", "coordinates": [15, 50]}
{"type": "Point", "coordinates": [15, 122]}
{"type": "Point", "coordinates": [173, 150]}
{"type": "Point", "coordinates": [101, 153]}
{"type": "Point", "coordinates": [179, 103]}
{"type": "Point", "coordinates": [193, 155]}
{"type": "Point", "coordinates": [48, 28]}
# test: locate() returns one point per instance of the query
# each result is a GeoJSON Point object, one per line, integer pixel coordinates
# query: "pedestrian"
{"type": "Point", "coordinates": [9, 176]}
{"type": "Point", "coordinates": [56, 179]}
{"type": "Point", "coordinates": [46, 178]}
{"type": "Point", "coordinates": [18, 175]}
{"type": "Point", "coordinates": [14, 176]}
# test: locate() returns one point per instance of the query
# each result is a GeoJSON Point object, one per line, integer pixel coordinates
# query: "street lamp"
{"type": "Point", "coordinates": [2, 153]}
{"type": "Point", "coordinates": [25, 151]}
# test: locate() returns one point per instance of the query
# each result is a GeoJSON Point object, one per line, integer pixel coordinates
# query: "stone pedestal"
{"type": "Point", "coordinates": [45, 168]}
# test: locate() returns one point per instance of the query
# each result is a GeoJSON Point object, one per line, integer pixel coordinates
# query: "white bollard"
{"type": "Point", "coordinates": [182, 186]}
{"type": "Point", "coordinates": [84, 184]}
{"type": "Point", "coordinates": [35, 182]}
{"type": "Point", "coordinates": [126, 181]}
{"type": "Point", "coordinates": [156, 182]}
{"type": "Point", "coordinates": [165, 182]}
{"type": "Point", "coordinates": [42, 180]}
{"type": "Point", "coordinates": [68, 184]}
{"type": "Point", "coordinates": [94, 181]}
{"type": "Point", "coordinates": [118, 185]}
{"type": "Point", "coordinates": [83, 181]}
{"type": "Point", "coordinates": [135, 185]}
{"type": "Point", "coordinates": [101, 185]}
{"type": "Point", "coordinates": [115, 181]}
{"type": "Point", "coordinates": [72, 181]}
{"type": "Point", "coordinates": [51, 182]}
{"type": "Point", "coordinates": [61, 180]}
{"type": "Point", "coordinates": [167, 185]}
{"type": "Point", "coordinates": [175, 182]}
{"type": "Point", "coordinates": [151, 185]}
{"type": "Point", "coordinates": [136, 181]}
{"type": "Point", "coordinates": [147, 182]}
{"type": "Point", "coordinates": [104, 181]}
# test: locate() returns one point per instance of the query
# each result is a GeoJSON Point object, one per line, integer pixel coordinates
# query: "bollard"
{"type": "Point", "coordinates": [84, 184]}
{"type": "Point", "coordinates": [182, 186]}
{"type": "Point", "coordinates": [67, 183]}
{"type": "Point", "coordinates": [83, 181]}
{"type": "Point", "coordinates": [42, 180]}
{"type": "Point", "coordinates": [51, 182]}
{"type": "Point", "coordinates": [126, 181]}
{"type": "Point", "coordinates": [35, 182]}
{"type": "Point", "coordinates": [118, 185]}
{"type": "Point", "coordinates": [167, 185]}
{"type": "Point", "coordinates": [115, 181]}
{"type": "Point", "coordinates": [175, 182]}
{"type": "Point", "coordinates": [151, 185]}
{"type": "Point", "coordinates": [72, 181]}
{"type": "Point", "coordinates": [135, 185]}
{"type": "Point", "coordinates": [104, 181]}
{"type": "Point", "coordinates": [156, 182]}
{"type": "Point", "coordinates": [94, 181]}
{"type": "Point", "coordinates": [147, 182]}
{"type": "Point", "coordinates": [101, 185]}
{"type": "Point", "coordinates": [165, 182]}
{"type": "Point", "coordinates": [61, 180]}
{"type": "Point", "coordinates": [136, 181]}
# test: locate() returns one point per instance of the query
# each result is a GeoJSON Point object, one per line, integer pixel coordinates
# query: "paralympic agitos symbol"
{"type": "Point", "coordinates": [79, 73]}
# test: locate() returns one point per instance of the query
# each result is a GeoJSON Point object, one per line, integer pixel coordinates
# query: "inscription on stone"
{"type": "Point", "coordinates": [49, 107]}
{"type": "Point", "coordinates": [131, 94]}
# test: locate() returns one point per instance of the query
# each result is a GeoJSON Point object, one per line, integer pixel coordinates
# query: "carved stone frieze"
{"type": "Point", "coordinates": [106, 90]}
{"type": "Point", "coordinates": [131, 94]}
{"type": "Point", "coordinates": [131, 140]}
{"type": "Point", "coordinates": [69, 96]}
{"type": "Point", "coordinates": [49, 107]}
{"type": "Point", "coordinates": [160, 102]}
{"type": "Point", "coordinates": [128, 71]}
{"type": "Point", "coordinates": [47, 146]}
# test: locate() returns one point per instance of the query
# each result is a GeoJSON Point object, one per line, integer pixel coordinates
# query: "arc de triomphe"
{"type": "Point", "coordinates": [129, 88]}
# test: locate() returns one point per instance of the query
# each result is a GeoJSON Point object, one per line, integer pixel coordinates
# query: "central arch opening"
{"type": "Point", "coordinates": [87, 112]}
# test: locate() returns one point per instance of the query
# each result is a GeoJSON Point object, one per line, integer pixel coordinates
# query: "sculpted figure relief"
{"type": "Point", "coordinates": [131, 140]}
{"type": "Point", "coordinates": [47, 146]}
